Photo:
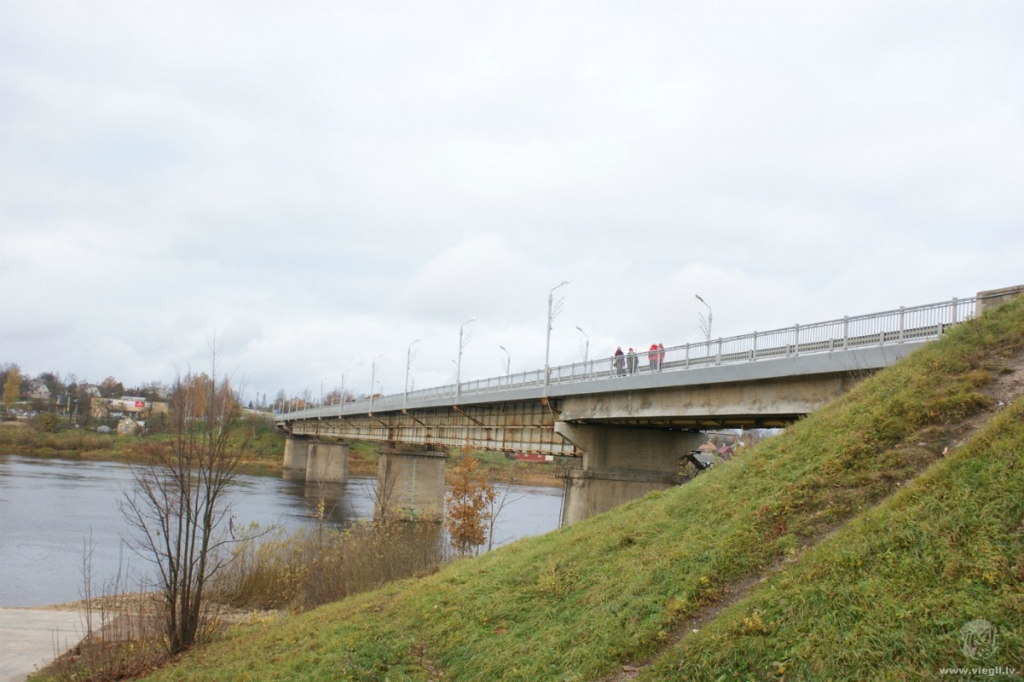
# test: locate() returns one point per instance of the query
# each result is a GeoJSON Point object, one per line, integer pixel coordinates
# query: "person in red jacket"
{"type": "Point", "coordinates": [653, 357]}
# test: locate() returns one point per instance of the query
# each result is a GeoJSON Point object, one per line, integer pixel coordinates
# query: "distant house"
{"type": "Point", "coordinates": [38, 391]}
{"type": "Point", "coordinates": [91, 390]}
{"type": "Point", "coordinates": [128, 427]}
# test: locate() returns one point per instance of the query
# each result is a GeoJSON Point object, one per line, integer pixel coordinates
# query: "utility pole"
{"type": "Point", "coordinates": [508, 365]}
{"type": "Point", "coordinates": [408, 364]}
{"type": "Point", "coordinates": [705, 323]}
{"type": "Point", "coordinates": [553, 311]}
{"type": "Point", "coordinates": [373, 379]}
{"type": "Point", "coordinates": [586, 346]}
{"type": "Point", "coordinates": [458, 365]}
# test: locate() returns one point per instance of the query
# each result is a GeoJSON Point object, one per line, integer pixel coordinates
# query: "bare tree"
{"type": "Point", "coordinates": [384, 491]}
{"type": "Point", "coordinates": [496, 505]}
{"type": "Point", "coordinates": [177, 501]}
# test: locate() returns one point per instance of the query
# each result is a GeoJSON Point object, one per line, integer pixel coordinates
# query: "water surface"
{"type": "Point", "coordinates": [50, 508]}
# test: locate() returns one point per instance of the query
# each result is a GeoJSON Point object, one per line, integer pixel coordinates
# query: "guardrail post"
{"type": "Point", "coordinates": [718, 356]}
{"type": "Point", "coordinates": [846, 332]}
{"type": "Point", "coordinates": [901, 323]}
{"type": "Point", "coordinates": [753, 351]}
{"type": "Point", "coordinates": [796, 339]}
{"type": "Point", "coordinates": [954, 310]}
{"type": "Point", "coordinates": [687, 356]}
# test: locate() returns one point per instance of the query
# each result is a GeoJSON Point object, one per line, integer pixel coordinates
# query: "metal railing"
{"type": "Point", "coordinates": [877, 329]}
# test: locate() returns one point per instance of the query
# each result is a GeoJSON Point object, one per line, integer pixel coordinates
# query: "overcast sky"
{"type": "Point", "coordinates": [319, 184]}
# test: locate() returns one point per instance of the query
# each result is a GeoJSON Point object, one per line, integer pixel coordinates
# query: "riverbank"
{"type": "Point", "coordinates": [265, 452]}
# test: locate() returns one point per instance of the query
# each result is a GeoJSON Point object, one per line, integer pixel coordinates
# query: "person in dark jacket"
{"type": "Point", "coordinates": [631, 361]}
{"type": "Point", "coordinates": [619, 362]}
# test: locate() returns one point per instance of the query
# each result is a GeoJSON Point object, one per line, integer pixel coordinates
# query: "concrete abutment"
{"type": "Point", "coordinates": [620, 464]}
{"type": "Point", "coordinates": [327, 462]}
{"type": "Point", "coordinates": [410, 483]}
{"type": "Point", "coordinates": [296, 452]}
{"type": "Point", "coordinates": [322, 461]}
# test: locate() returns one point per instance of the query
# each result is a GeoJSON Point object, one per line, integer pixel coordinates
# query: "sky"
{"type": "Point", "coordinates": [319, 184]}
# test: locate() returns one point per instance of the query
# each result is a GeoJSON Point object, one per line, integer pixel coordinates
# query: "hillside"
{"type": "Point", "coordinates": [854, 546]}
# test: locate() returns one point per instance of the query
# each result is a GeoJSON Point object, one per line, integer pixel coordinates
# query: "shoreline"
{"type": "Point", "coordinates": [526, 473]}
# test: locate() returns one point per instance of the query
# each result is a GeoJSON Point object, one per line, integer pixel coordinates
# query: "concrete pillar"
{"type": "Point", "coordinates": [296, 453]}
{"type": "Point", "coordinates": [620, 464]}
{"type": "Point", "coordinates": [327, 462]}
{"type": "Point", "coordinates": [410, 483]}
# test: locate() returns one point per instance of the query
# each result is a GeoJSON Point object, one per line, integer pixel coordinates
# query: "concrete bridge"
{"type": "Point", "coordinates": [630, 424]}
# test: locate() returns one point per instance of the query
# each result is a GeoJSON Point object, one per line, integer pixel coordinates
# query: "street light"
{"type": "Point", "coordinates": [586, 346]}
{"type": "Point", "coordinates": [408, 363]}
{"type": "Point", "coordinates": [553, 311]}
{"type": "Point", "coordinates": [458, 365]}
{"type": "Point", "coordinates": [373, 379]}
{"type": "Point", "coordinates": [320, 413]}
{"type": "Point", "coordinates": [705, 324]}
{"type": "Point", "coordinates": [508, 363]}
{"type": "Point", "coordinates": [341, 400]}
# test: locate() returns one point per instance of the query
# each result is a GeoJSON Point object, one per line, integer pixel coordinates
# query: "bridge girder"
{"type": "Point", "coordinates": [506, 427]}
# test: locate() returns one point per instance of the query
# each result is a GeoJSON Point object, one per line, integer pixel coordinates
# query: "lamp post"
{"type": "Point", "coordinates": [508, 365]}
{"type": "Point", "coordinates": [373, 379]}
{"type": "Point", "coordinates": [705, 324]}
{"type": "Point", "coordinates": [458, 365]}
{"type": "Point", "coordinates": [586, 345]}
{"type": "Point", "coordinates": [408, 364]}
{"type": "Point", "coordinates": [341, 400]}
{"type": "Point", "coordinates": [320, 412]}
{"type": "Point", "coordinates": [553, 311]}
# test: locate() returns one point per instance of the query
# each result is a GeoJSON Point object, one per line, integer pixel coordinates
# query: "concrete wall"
{"type": "Point", "coordinates": [781, 397]}
{"type": "Point", "coordinates": [410, 483]}
{"type": "Point", "coordinates": [620, 464]}
{"type": "Point", "coordinates": [590, 493]}
{"type": "Point", "coordinates": [327, 462]}
{"type": "Point", "coordinates": [990, 299]}
{"type": "Point", "coordinates": [296, 453]}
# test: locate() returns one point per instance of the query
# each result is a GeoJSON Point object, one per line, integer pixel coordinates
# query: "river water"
{"type": "Point", "coordinates": [50, 508]}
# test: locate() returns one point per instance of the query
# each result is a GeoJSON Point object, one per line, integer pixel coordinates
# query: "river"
{"type": "Point", "coordinates": [50, 508]}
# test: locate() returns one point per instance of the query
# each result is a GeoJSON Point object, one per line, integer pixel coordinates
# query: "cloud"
{"type": "Point", "coordinates": [320, 184]}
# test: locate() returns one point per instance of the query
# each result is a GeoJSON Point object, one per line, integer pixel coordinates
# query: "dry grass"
{"type": "Point", "coordinates": [318, 565]}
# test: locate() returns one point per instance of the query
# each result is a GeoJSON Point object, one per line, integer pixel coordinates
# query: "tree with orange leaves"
{"type": "Point", "coordinates": [467, 506]}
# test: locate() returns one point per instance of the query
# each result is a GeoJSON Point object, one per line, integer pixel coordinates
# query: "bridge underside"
{"type": "Point", "coordinates": [507, 427]}
{"type": "Point", "coordinates": [529, 426]}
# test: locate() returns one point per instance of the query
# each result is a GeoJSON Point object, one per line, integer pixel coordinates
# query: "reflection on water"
{"type": "Point", "coordinates": [49, 508]}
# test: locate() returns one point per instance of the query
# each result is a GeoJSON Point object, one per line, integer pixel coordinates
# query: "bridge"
{"type": "Point", "coordinates": [629, 423]}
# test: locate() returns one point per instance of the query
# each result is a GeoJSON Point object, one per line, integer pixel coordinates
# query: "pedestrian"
{"type": "Point", "coordinates": [661, 357]}
{"type": "Point", "coordinates": [631, 361]}
{"type": "Point", "coordinates": [653, 357]}
{"type": "Point", "coordinates": [619, 362]}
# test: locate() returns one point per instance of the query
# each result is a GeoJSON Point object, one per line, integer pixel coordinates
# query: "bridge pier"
{"type": "Point", "coordinates": [327, 462]}
{"type": "Point", "coordinates": [410, 483]}
{"type": "Point", "coordinates": [296, 453]}
{"type": "Point", "coordinates": [620, 464]}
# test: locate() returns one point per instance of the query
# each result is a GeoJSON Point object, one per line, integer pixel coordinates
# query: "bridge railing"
{"type": "Point", "coordinates": [876, 329]}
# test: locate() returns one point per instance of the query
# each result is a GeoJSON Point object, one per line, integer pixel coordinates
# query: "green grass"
{"type": "Point", "coordinates": [885, 598]}
{"type": "Point", "coordinates": [580, 602]}
{"type": "Point", "coordinates": [265, 443]}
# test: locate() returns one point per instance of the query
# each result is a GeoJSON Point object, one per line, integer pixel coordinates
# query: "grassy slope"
{"type": "Point", "coordinates": [577, 603]}
{"type": "Point", "coordinates": [885, 597]}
